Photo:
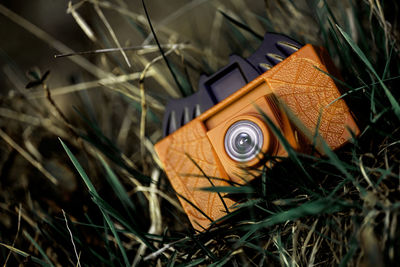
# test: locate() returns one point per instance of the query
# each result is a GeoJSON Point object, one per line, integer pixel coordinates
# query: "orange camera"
{"type": "Point", "coordinates": [230, 139]}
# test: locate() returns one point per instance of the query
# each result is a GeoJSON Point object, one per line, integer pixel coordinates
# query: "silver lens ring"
{"type": "Point", "coordinates": [243, 140]}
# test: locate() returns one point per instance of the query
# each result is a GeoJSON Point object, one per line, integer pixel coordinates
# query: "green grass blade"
{"type": "Point", "coordinates": [363, 57]}
{"type": "Point", "coordinates": [241, 25]}
{"type": "Point", "coordinates": [194, 206]}
{"type": "Point", "coordinates": [172, 260]}
{"type": "Point", "coordinates": [230, 189]}
{"type": "Point", "coordinates": [311, 208]}
{"type": "Point", "coordinates": [26, 255]}
{"type": "Point", "coordinates": [79, 168]}
{"type": "Point", "coordinates": [292, 153]}
{"type": "Point", "coordinates": [94, 193]}
{"type": "Point", "coordinates": [193, 263]}
{"type": "Point", "coordinates": [203, 247]}
{"type": "Point", "coordinates": [117, 239]}
{"type": "Point", "coordinates": [116, 185]}
{"type": "Point", "coordinates": [264, 181]}
{"type": "Point", "coordinates": [210, 181]}
{"type": "Point", "coordinates": [117, 216]}
{"type": "Point", "coordinates": [335, 161]}
{"type": "Point", "coordinates": [36, 245]}
{"type": "Point", "coordinates": [387, 64]}
{"type": "Point", "coordinates": [353, 246]}
{"type": "Point", "coordinates": [161, 50]}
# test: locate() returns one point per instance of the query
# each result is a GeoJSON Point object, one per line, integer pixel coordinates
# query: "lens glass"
{"type": "Point", "coordinates": [243, 140]}
{"type": "Point", "coordinates": [243, 143]}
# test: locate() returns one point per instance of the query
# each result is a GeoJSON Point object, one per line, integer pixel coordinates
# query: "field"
{"type": "Point", "coordinates": [83, 89]}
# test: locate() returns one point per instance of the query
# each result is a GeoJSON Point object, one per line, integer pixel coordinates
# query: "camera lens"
{"type": "Point", "coordinates": [243, 140]}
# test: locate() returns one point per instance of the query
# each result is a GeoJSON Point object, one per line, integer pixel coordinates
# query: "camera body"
{"type": "Point", "coordinates": [231, 139]}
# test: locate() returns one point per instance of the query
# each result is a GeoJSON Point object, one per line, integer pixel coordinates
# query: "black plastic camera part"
{"type": "Point", "coordinates": [240, 71]}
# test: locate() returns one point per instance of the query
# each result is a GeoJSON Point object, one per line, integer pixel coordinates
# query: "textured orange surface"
{"type": "Point", "coordinates": [303, 92]}
{"type": "Point", "coordinates": [177, 152]}
{"type": "Point", "coordinates": [306, 90]}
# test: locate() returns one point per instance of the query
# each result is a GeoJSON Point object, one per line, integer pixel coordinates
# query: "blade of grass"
{"type": "Point", "coordinates": [38, 165]}
{"type": "Point", "coordinates": [103, 205]}
{"type": "Point", "coordinates": [72, 239]}
{"type": "Point", "coordinates": [335, 161]}
{"type": "Point", "coordinates": [194, 206]}
{"type": "Point", "coordinates": [388, 60]}
{"type": "Point", "coordinates": [26, 255]}
{"type": "Point", "coordinates": [161, 50]}
{"type": "Point", "coordinates": [106, 146]}
{"type": "Point", "coordinates": [109, 251]}
{"type": "Point", "coordinates": [36, 245]}
{"type": "Point", "coordinates": [192, 263]}
{"type": "Point", "coordinates": [311, 208]}
{"type": "Point", "coordinates": [94, 193]}
{"type": "Point", "coordinates": [353, 246]}
{"type": "Point", "coordinates": [111, 31]}
{"type": "Point", "coordinates": [241, 25]}
{"type": "Point", "coordinates": [116, 185]}
{"type": "Point", "coordinates": [264, 181]}
{"type": "Point", "coordinates": [291, 152]}
{"type": "Point", "coordinates": [229, 189]}
{"type": "Point", "coordinates": [210, 181]}
{"type": "Point", "coordinates": [172, 259]}
{"type": "Point", "coordinates": [363, 57]}
{"type": "Point", "coordinates": [81, 22]}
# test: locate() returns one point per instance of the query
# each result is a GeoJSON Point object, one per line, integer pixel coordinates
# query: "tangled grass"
{"type": "Point", "coordinates": [83, 186]}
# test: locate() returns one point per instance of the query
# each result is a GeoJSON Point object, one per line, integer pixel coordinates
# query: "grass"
{"type": "Point", "coordinates": [84, 187]}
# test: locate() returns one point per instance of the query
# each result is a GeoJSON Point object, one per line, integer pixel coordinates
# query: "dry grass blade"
{"type": "Point", "coordinates": [283, 253]}
{"type": "Point", "coordinates": [109, 81]}
{"type": "Point", "coordinates": [364, 173]}
{"type": "Point", "coordinates": [376, 9]}
{"type": "Point", "coordinates": [59, 46]}
{"type": "Point", "coordinates": [139, 49]}
{"type": "Point", "coordinates": [28, 157]}
{"type": "Point", "coordinates": [81, 22]}
{"type": "Point", "coordinates": [250, 18]}
{"type": "Point", "coordinates": [173, 16]}
{"type": "Point", "coordinates": [214, 38]}
{"type": "Point", "coordinates": [78, 263]}
{"type": "Point", "coordinates": [392, 235]}
{"type": "Point", "coordinates": [16, 235]}
{"type": "Point", "coordinates": [161, 194]}
{"type": "Point", "coordinates": [155, 215]}
{"type": "Point", "coordinates": [11, 248]}
{"type": "Point", "coordinates": [295, 234]}
{"type": "Point", "coordinates": [25, 118]}
{"type": "Point", "coordinates": [111, 31]}
{"type": "Point", "coordinates": [307, 240]}
{"type": "Point", "coordinates": [63, 49]}
{"type": "Point", "coordinates": [143, 98]}
{"type": "Point", "coordinates": [316, 247]}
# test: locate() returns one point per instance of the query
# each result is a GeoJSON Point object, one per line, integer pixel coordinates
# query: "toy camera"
{"type": "Point", "coordinates": [221, 131]}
